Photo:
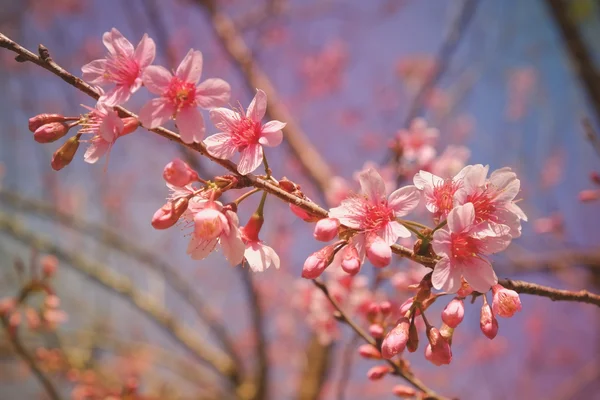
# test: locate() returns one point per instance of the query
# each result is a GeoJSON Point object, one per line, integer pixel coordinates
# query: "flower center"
{"type": "Point", "coordinates": [376, 216]}
{"type": "Point", "coordinates": [122, 70]}
{"type": "Point", "coordinates": [484, 206]}
{"type": "Point", "coordinates": [181, 93]}
{"type": "Point", "coordinates": [443, 195]}
{"type": "Point", "coordinates": [463, 246]}
{"type": "Point", "coordinates": [208, 224]}
{"type": "Point", "coordinates": [245, 132]}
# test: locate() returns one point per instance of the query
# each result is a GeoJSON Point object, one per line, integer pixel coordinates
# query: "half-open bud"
{"type": "Point", "coordinates": [326, 229]}
{"type": "Point", "coordinates": [178, 173]}
{"type": "Point", "coordinates": [505, 302]}
{"type": "Point", "coordinates": [438, 351]}
{"type": "Point", "coordinates": [487, 321]}
{"type": "Point", "coordinates": [65, 153]}
{"type": "Point", "coordinates": [43, 119]}
{"type": "Point", "coordinates": [169, 214]}
{"type": "Point", "coordinates": [350, 260]}
{"type": "Point", "coordinates": [51, 132]}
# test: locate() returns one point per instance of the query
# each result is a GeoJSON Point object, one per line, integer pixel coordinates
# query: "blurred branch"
{"type": "Point", "coordinates": [581, 58]}
{"type": "Point", "coordinates": [347, 360]}
{"type": "Point", "coordinates": [591, 135]}
{"type": "Point", "coordinates": [556, 261]}
{"type": "Point", "coordinates": [30, 361]}
{"type": "Point", "coordinates": [314, 374]}
{"type": "Point", "coordinates": [260, 14]}
{"type": "Point", "coordinates": [571, 388]}
{"type": "Point", "coordinates": [402, 371]}
{"type": "Point", "coordinates": [582, 296]}
{"type": "Point", "coordinates": [111, 239]}
{"type": "Point", "coordinates": [123, 286]}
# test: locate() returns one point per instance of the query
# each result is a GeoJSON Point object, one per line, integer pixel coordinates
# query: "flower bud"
{"type": "Point", "coordinates": [65, 153]}
{"type": "Point", "coordinates": [438, 351]}
{"type": "Point", "coordinates": [350, 260]}
{"type": "Point", "coordinates": [413, 338]}
{"type": "Point", "coordinates": [505, 302]}
{"type": "Point", "coordinates": [326, 229]}
{"type": "Point", "coordinates": [49, 266]}
{"type": "Point", "coordinates": [178, 173]}
{"type": "Point", "coordinates": [369, 351]}
{"type": "Point", "coordinates": [595, 177]}
{"type": "Point", "coordinates": [385, 307]}
{"type": "Point", "coordinates": [51, 132]}
{"type": "Point", "coordinates": [303, 215]}
{"type": "Point", "coordinates": [589, 195]}
{"type": "Point", "coordinates": [43, 119]}
{"type": "Point", "coordinates": [487, 321]}
{"type": "Point", "coordinates": [403, 391]}
{"type": "Point", "coordinates": [130, 124]}
{"type": "Point", "coordinates": [407, 305]}
{"type": "Point", "coordinates": [169, 214]}
{"type": "Point", "coordinates": [251, 230]}
{"type": "Point", "coordinates": [378, 372]}
{"type": "Point", "coordinates": [396, 339]}
{"type": "Point", "coordinates": [378, 252]}
{"type": "Point", "coordinates": [316, 263]}
{"type": "Point", "coordinates": [376, 331]}
{"type": "Point", "coordinates": [454, 313]}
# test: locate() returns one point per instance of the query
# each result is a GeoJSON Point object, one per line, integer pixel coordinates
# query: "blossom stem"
{"type": "Point", "coordinates": [412, 223]}
{"type": "Point", "coordinates": [412, 229]}
{"type": "Point", "coordinates": [261, 205]}
{"type": "Point", "coordinates": [267, 168]}
{"type": "Point", "coordinates": [246, 195]}
{"type": "Point", "coordinates": [439, 226]}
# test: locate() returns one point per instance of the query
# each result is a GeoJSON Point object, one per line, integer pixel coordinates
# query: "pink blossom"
{"type": "Point", "coordinates": [179, 174]}
{"type": "Point", "coordinates": [181, 95]}
{"type": "Point", "coordinates": [505, 302]}
{"type": "Point", "coordinates": [123, 66]}
{"type": "Point", "coordinates": [438, 351]}
{"type": "Point", "coordinates": [106, 127]}
{"type": "Point", "coordinates": [493, 198]}
{"type": "Point", "coordinates": [258, 255]}
{"type": "Point", "coordinates": [462, 246]}
{"type": "Point", "coordinates": [417, 142]}
{"type": "Point", "coordinates": [374, 216]}
{"type": "Point", "coordinates": [438, 192]}
{"type": "Point", "coordinates": [454, 313]}
{"type": "Point", "coordinates": [317, 262]}
{"type": "Point", "coordinates": [450, 162]}
{"type": "Point", "coordinates": [244, 134]}
{"type": "Point", "coordinates": [214, 224]}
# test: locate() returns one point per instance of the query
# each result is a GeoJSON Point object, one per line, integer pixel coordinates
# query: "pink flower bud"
{"type": "Point", "coordinates": [252, 229]}
{"type": "Point", "coordinates": [178, 173]}
{"type": "Point", "coordinates": [378, 372]}
{"type": "Point", "coordinates": [589, 195]}
{"type": "Point", "coordinates": [488, 322]}
{"type": "Point", "coordinates": [505, 302]}
{"type": "Point", "coordinates": [438, 351]}
{"type": "Point", "coordinates": [130, 124]}
{"type": "Point", "coordinates": [350, 260]}
{"type": "Point", "coordinates": [43, 119]}
{"type": "Point", "coordinates": [64, 155]}
{"type": "Point", "coordinates": [369, 351]}
{"type": "Point", "coordinates": [454, 313]}
{"type": "Point", "coordinates": [376, 331]}
{"type": "Point", "coordinates": [169, 214]}
{"type": "Point", "coordinates": [406, 306]}
{"type": "Point", "coordinates": [373, 311]}
{"type": "Point", "coordinates": [316, 263]}
{"type": "Point", "coordinates": [396, 339]}
{"type": "Point", "coordinates": [49, 266]}
{"type": "Point", "coordinates": [326, 229]}
{"type": "Point", "coordinates": [378, 252]}
{"type": "Point", "coordinates": [404, 391]}
{"type": "Point", "coordinates": [51, 132]}
{"type": "Point", "coordinates": [595, 177]}
{"type": "Point", "coordinates": [386, 308]}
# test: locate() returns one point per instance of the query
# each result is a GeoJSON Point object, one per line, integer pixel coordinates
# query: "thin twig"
{"type": "Point", "coordinates": [30, 361]}
{"type": "Point", "coordinates": [581, 296]}
{"type": "Point", "coordinates": [347, 358]}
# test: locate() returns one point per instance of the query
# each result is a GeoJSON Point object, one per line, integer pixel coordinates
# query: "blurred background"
{"type": "Point", "coordinates": [497, 77]}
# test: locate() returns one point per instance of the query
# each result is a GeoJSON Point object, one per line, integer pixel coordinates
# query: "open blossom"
{"type": "Point", "coordinates": [462, 246]}
{"type": "Point", "coordinates": [181, 95]}
{"type": "Point", "coordinates": [438, 192]}
{"type": "Point", "coordinates": [258, 255]}
{"type": "Point", "coordinates": [493, 198]}
{"type": "Point", "coordinates": [106, 127]}
{"type": "Point", "coordinates": [214, 224]}
{"type": "Point", "coordinates": [450, 162]}
{"type": "Point", "coordinates": [416, 143]}
{"type": "Point", "coordinates": [505, 302]}
{"type": "Point", "coordinates": [374, 216]}
{"type": "Point", "coordinates": [244, 133]}
{"type": "Point", "coordinates": [123, 66]}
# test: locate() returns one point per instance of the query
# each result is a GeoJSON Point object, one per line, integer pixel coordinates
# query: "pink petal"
{"type": "Point", "coordinates": [111, 127]}
{"type": "Point", "coordinates": [349, 213]}
{"type": "Point", "coordinates": [479, 274]}
{"type": "Point", "coordinates": [116, 43]}
{"type": "Point", "coordinates": [95, 151]}
{"type": "Point", "coordinates": [394, 230]}
{"type": "Point", "coordinates": [442, 243]}
{"type": "Point", "coordinates": [258, 107]}
{"type": "Point", "coordinates": [474, 177]}
{"type": "Point", "coordinates": [155, 113]}
{"type": "Point", "coordinates": [93, 72]}
{"type": "Point", "coordinates": [372, 185]}
{"type": "Point", "coordinates": [404, 200]}
{"type": "Point", "coordinates": [224, 118]}
{"type": "Point", "coordinates": [461, 218]}
{"type": "Point", "coordinates": [494, 244]}
{"type": "Point", "coordinates": [272, 256]}
{"type": "Point", "coordinates": [233, 247]}
{"type": "Point", "coordinates": [190, 68]}
{"type": "Point", "coordinates": [190, 123]}
{"type": "Point", "coordinates": [199, 249]}
{"type": "Point", "coordinates": [271, 134]}
{"type": "Point", "coordinates": [145, 51]}
{"type": "Point", "coordinates": [157, 79]}
{"type": "Point", "coordinates": [445, 277]}
{"type": "Point", "coordinates": [424, 179]}
{"type": "Point", "coordinates": [115, 96]}
{"type": "Point", "coordinates": [213, 93]}
{"type": "Point", "coordinates": [220, 146]}
{"type": "Point", "coordinates": [251, 158]}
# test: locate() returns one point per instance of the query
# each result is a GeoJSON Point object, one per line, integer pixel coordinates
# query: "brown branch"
{"type": "Point", "coordinates": [124, 287]}
{"type": "Point", "coordinates": [314, 374]}
{"type": "Point", "coordinates": [403, 372]}
{"type": "Point", "coordinates": [347, 360]}
{"type": "Point", "coordinates": [30, 361]}
{"type": "Point", "coordinates": [580, 56]}
{"type": "Point", "coordinates": [582, 296]}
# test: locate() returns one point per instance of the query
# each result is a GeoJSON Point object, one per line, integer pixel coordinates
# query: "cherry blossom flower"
{"type": "Point", "coordinates": [106, 127]}
{"type": "Point", "coordinates": [123, 66]}
{"type": "Point", "coordinates": [374, 216]}
{"type": "Point", "coordinates": [244, 134]}
{"type": "Point", "coordinates": [214, 224]}
{"type": "Point", "coordinates": [505, 302]}
{"type": "Point", "coordinates": [450, 162]}
{"type": "Point", "coordinates": [438, 192]}
{"type": "Point", "coordinates": [416, 143]}
{"type": "Point", "coordinates": [258, 255]}
{"type": "Point", "coordinates": [181, 95]}
{"type": "Point", "coordinates": [462, 246]}
{"type": "Point", "coordinates": [493, 198]}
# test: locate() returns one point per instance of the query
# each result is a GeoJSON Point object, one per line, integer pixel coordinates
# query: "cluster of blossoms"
{"type": "Point", "coordinates": [474, 215]}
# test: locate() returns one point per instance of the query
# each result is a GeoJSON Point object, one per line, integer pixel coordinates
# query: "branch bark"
{"type": "Point", "coordinates": [582, 296]}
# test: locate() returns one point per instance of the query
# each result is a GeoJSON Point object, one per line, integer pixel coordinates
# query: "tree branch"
{"type": "Point", "coordinates": [582, 296]}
